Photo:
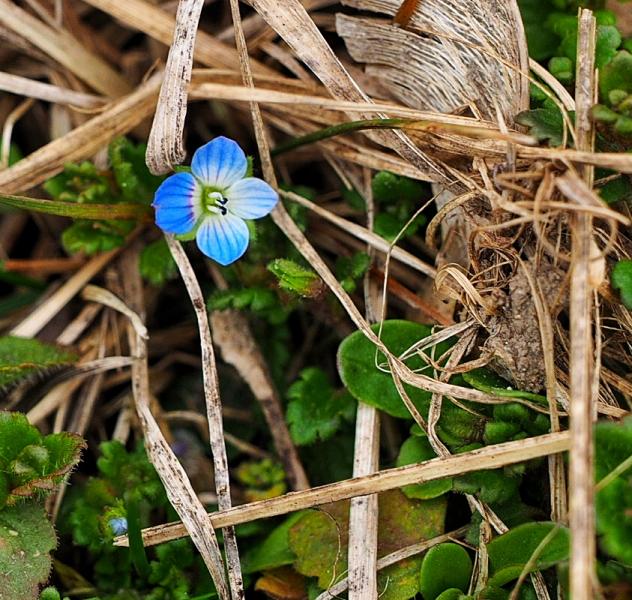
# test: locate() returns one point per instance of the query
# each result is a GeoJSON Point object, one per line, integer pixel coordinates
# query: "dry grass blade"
{"type": "Point", "coordinates": [173, 476]}
{"type": "Point", "coordinates": [242, 352]}
{"type": "Point", "coordinates": [489, 457]}
{"type": "Point", "coordinates": [31, 88]}
{"type": "Point", "coordinates": [40, 317]}
{"type": "Point", "coordinates": [213, 413]}
{"type": "Point", "coordinates": [582, 369]}
{"type": "Point", "coordinates": [82, 142]}
{"type": "Point", "coordinates": [364, 234]}
{"type": "Point", "coordinates": [164, 147]}
{"type": "Point", "coordinates": [292, 22]}
{"type": "Point", "coordinates": [65, 49]}
{"type": "Point", "coordinates": [158, 24]}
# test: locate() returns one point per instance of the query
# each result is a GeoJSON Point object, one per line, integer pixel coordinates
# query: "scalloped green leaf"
{"type": "Point", "coordinates": [23, 357]}
{"type": "Point", "coordinates": [26, 539]}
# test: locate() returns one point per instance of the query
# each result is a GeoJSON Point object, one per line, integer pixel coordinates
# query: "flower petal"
{"type": "Point", "coordinates": [219, 163]}
{"type": "Point", "coordinates": [224, 238]}
{"type": "Point", "coordinates": [250, 198]}
{"type": "Point", "coordinates": [177, 203]}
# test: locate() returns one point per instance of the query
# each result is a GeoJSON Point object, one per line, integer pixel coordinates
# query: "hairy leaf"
{"type": "Point", "coordinates": [316, 410]}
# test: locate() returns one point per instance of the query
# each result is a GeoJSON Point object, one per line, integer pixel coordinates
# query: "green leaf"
{"type": "Point", "coordinates": [16, 433]}
{"type": "Point", "coordinates": [297, 279]}
{"type": "Point", "coordinates": [451, 594]}
{"type": "Point", "coordinates": [73, 210]}
{"type": "Point", "coordinates": [542, 41]}
{"type": "Point", "coordinates": [445, 566]}
{"type": "Point", "coordinates": [613, 446]}
{"type": "Point", "coordinates": [28, 462]}
{"type": "Point", "coordinates": [486, 380]}
{"type": "Point", "coordinates": [510, 553]}
{"type": "Point", "coordinates": [130, 171]}
{"type": "Point", "coordinates": [156, 263]}
{"type": "Point", "coordinates": [319, 540]}
{"type": "Point", "coordinates": [621, 279]}
{"type": "Point", "coordinates": [545, 124]}
{"type": "Point", "coordinates": [26, 540]}
{"type": "Point", "coordinates": [349, 269]}
{"type": "Point", "coordinates": [274, 551]}
{"type": "Point", "coordinates": [415, 450]}
{"type": "Point", "coordinates": [23, 357]}
{"type": "Point", "coordinates": [316, 410]}
{"type": "Point", "coordinates": [389, 188]}
{"type": "Point", "coordinates": [617, 74]}
{"type": "Point", "coordinates": [91, 237]}
{"type": "Point", "coordinates": [367, 383]}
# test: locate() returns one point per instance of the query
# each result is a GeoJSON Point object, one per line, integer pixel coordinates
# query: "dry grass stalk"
{"type": "Point", "coordinates": [489, 457]}
{"type": "Point", "coordinates": [213, 412]}
{"type": "Point", "coordinates": [582, 368]}
{"type": "Point", "coordinates": [23, 86]}
{"type": "Point", "coordinates": [165, 145]}
{"type": "Point", "coordinates": [243, 353]}
{"type": "Point", "coordinates": [173, 476]}
{"type": "Point", "coordinates": [65, 49]}
{"type": "Point", "coordinates": [120, 117]}
{"type": "Point", "coordinates": [40, 317]}
{"type": "Point", "coordinates": [158, 24]}
{"type": "Point", "coordinates": [294, 25]}
{"type": "Point", "coordinates": [364, 510]}
{"type": "Point", "coordinates": [364, 234]}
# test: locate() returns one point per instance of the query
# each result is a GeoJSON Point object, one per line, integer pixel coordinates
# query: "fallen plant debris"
{"type": "Point", "coordinates": [396, 361]}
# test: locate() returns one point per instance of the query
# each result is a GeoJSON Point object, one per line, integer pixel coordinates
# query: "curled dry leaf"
{"type": "Point", "coordinates": [452, 53]}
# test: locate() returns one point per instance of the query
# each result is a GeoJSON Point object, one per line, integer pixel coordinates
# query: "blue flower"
{"type": "Point", "coordinates": [213, 200]}
{"type": "Point", "coordinates": [118, 525]}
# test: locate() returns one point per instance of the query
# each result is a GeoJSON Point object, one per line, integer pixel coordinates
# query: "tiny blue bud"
{"type": "Point", "coordinates": [118, 525]}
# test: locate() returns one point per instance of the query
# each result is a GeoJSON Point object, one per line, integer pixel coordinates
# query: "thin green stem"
{"type": "Point", "coordinates": [340, 129]}
{"type": "Point", "coordinates": [136, 547]}
{"type": "Point", "coordinates": [76, 210]}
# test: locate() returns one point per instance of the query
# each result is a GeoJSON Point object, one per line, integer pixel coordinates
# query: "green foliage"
{"type": "Point", "coordinates": [126, 181]}
{"type": "Point", "coordinates": [621, 279]}
{"type": "Point", "coordinates": [156, 263]}
{"type": "Point", "coordinates": [261, 301]}
{"type": "Point", "coordinates": [444, 567]}
{"type": "Point", "coordinates": [23, 357]}
{"type": "Point", "coordinates": [319, 540]}
{"type": "Point", "coordinates": [614, 501]}
{"type": "Point", "coordinates": [486, 380]}
{"type": "Point", "coordinates": [274, 551]}
{"type": "Point", "coordinates": [29, 462]}
{"type": "Point", "coordinates": [414, 450]}
{"type": "Point", "coordinates": [349, 269]}
{"type": "Point", "coordinates": [534, 546]}
{"type": "Point", "coordinates": [128, 486]}
{"type": "Point", "coordinates": [294, 278]}
{"type": "Point", "coordinates": [358, 362]}
{"type": "Point", "coordinates": [397, 198]}
{"type": "Point", "coordinates": [26, 539]}
{"type": "Point", "coordinates": [263, 479]}
{"type": "Point", "coordinates": [316, 410]}
{"type": "Point", "coordinates": [545, 124]}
